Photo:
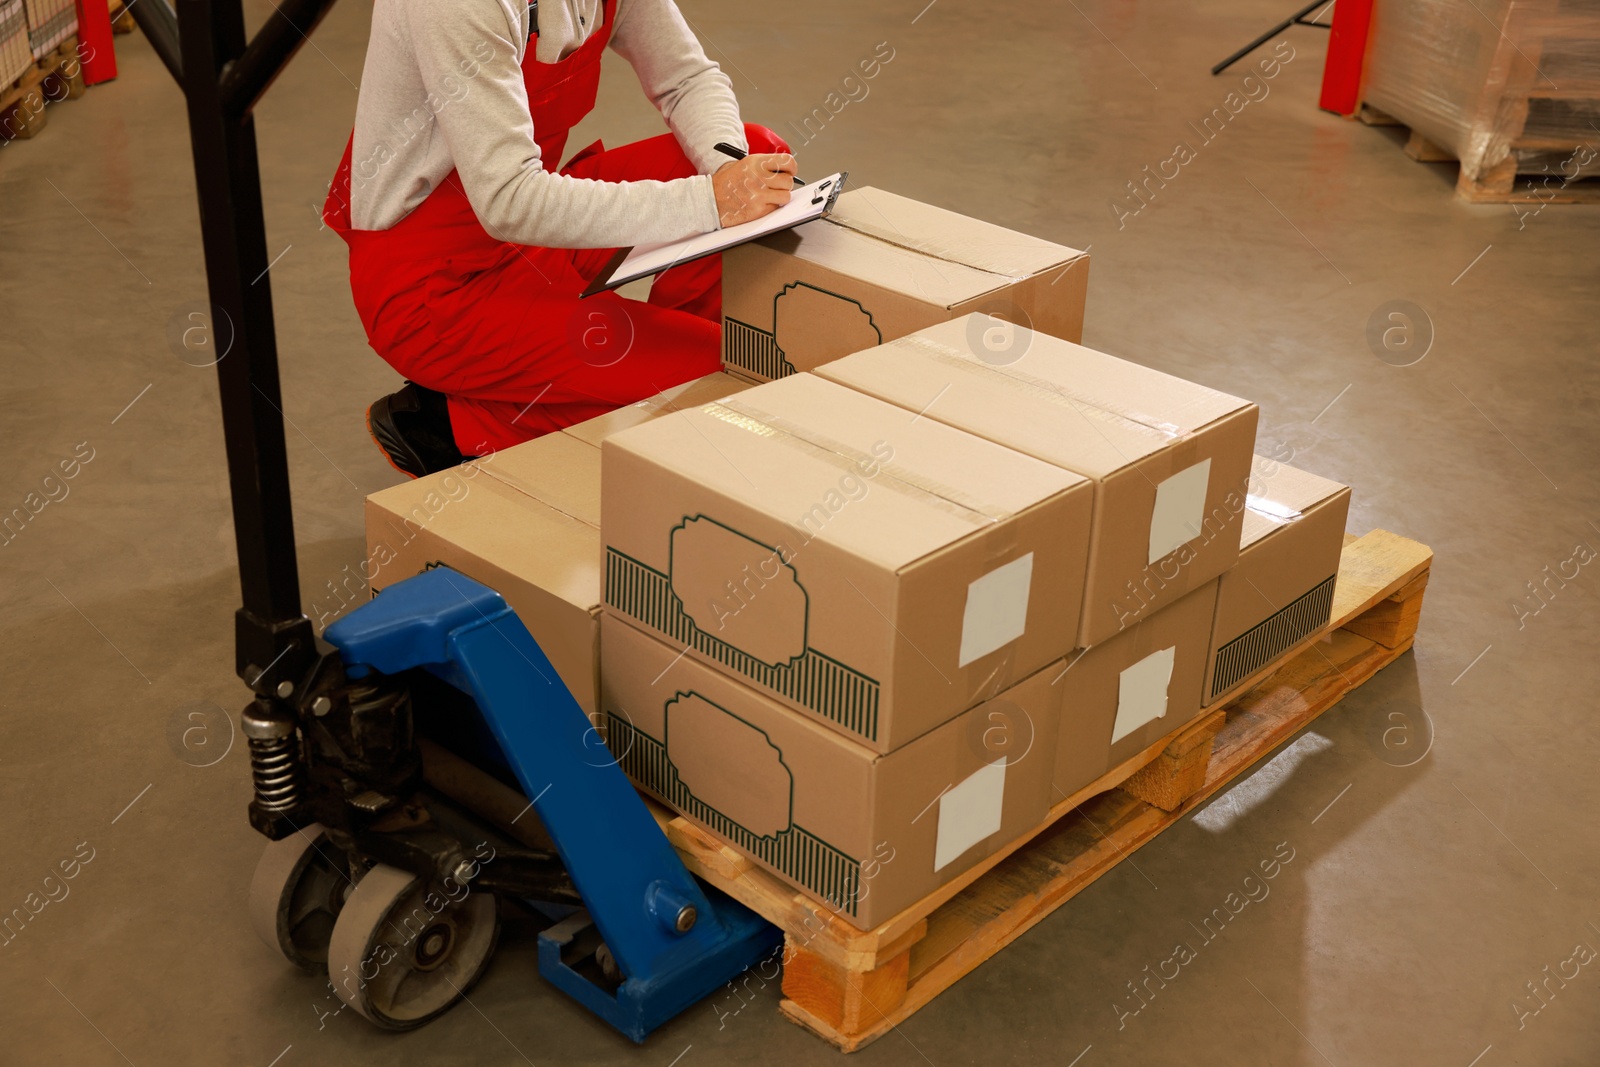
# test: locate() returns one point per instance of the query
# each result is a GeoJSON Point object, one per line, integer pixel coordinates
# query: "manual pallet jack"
{"type": "Point", "coordinates": [371, 873]}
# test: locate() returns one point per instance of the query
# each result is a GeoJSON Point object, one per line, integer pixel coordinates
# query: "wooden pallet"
{"type": "Point", "coordinates": [1503, 184]}
{"type": "Point", "coordinates": [55, 77]}
{"type": "Point", "coordinates": [852, 986]}
{"type": "Point", "coordinates": [1515, 89]}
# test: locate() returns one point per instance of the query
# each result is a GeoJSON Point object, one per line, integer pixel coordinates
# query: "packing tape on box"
{"type": "Point", "coordinates": [1012, 378]}
{"type": "Point", "coordinates": [1271, 509]}
{"type": "Point", "coordinates": [908, 483]}
{"type": "Point", "coordinates": [960, 257]}
{"type": "Point", "coordinates": [1000, 676]}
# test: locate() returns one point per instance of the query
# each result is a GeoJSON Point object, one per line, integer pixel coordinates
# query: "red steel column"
{"type": "Point", "coordinates": [1347, 51]}
{"type": "Point", "coordinates": [95, 52]}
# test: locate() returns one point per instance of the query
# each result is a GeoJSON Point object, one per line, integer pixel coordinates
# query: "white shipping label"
{"type": "Point", "coordinates": [1180, 510]}
{"type": "Point", "coordinates": [969, 812]}
{"type": "Point", "coordinates": [1142, 693]}
{"type": "Point", "coordinates": [997, 609]}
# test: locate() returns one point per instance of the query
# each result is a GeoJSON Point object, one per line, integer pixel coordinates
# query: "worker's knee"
{"type": "Point", "coordinates": [761, 139]}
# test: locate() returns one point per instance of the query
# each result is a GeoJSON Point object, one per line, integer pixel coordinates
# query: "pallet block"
{"type": "Point", "coordinates": [55, 77]}
{"type": "Point", "coordinates": [851, 986]}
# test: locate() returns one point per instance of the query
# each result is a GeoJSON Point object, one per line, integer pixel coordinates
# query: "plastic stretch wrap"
{"type": "Point", "coordinates": [15, 55]}
{"type": "Point", "coordinates": [1505, 85]}
{"type": "Point", "coordinates": [49, 23]}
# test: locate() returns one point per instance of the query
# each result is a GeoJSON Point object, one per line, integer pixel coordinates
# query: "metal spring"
{"type": "Point", "coordinates": [275, 766]}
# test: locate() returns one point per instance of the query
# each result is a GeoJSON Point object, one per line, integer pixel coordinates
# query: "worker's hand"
{"type": "Point", "coordinates": [754, 186]}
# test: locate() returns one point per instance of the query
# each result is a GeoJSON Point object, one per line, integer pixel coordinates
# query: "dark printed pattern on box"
{"type": "Point", "coordinates": [815, 681]}
{"type": "Point", "coordinates": [1266, 641]}
{"type": "Point", "coordinates": [757, 351]}
{"type": "Point", "coordinates": [753, 350]}
{"type": "Point", "coordinates": [813, 863]}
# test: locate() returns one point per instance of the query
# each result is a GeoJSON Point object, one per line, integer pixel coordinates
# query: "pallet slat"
{"type": "Point", "coordinates": [1504, 183]}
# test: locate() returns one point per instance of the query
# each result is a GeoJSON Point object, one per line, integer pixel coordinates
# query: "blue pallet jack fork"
{"type": "Point", "coordinates": [339, 778]}
{"type": "Point", "coordinates": [674, 940]}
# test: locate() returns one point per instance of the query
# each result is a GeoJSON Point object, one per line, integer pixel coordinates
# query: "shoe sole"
{"type": "Point", "coordinates": [391, 445]}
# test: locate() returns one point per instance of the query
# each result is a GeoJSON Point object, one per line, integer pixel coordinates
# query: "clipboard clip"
{"type": "Point", "coordinates": [823, 194]}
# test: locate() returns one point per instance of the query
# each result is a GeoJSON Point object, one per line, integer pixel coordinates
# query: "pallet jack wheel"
{"type": "Point", "coordinates": [296, 895]}
{"type": "Point", "coordinates": [403, 952]}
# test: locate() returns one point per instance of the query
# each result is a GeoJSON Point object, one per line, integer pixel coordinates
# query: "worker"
{"type": "Point", "coordinates": [469, 249]}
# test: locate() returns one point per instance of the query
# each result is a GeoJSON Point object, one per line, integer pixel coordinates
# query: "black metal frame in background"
{"type": "Point", "coordinates": [1296, 19]}
{"type": "Point", "coordinates": [223, 76]}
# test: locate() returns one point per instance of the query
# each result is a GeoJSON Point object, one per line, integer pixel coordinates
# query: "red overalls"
{"type": "Point", "coordinates": [498, 327]}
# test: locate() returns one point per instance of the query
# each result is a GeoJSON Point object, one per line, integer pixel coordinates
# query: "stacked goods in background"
{"type": "Point", "coordinates": [39, 63]}
{"type": "Point", "coordinates": [878, 267]}
{"type": "Point", "coordinates": [16, 57]}
{"type": "Point", "coordinates": [50, 22]}
{"type": "Point", "coordinates": [525, 522]}
{"type": "Point", "coordinates": [1507, 87]}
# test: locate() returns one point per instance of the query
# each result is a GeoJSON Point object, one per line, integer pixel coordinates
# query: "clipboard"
{"type": "Point", "coordinates": [807, 203]}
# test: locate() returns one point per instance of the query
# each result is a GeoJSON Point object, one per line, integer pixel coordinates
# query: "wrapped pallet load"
{"type": "Point", "coordinates": [1507, 87]}
{"type": "Point", "coordinates": [15, 55]}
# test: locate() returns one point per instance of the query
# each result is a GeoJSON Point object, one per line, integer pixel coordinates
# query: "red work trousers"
{"type": "Point", "coordinates": [532, 357]}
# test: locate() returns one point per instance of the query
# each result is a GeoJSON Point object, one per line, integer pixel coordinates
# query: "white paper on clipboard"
{"type": "Point", "coordinates": [810, 201]}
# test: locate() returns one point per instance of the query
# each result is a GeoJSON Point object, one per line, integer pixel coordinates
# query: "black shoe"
{"type": "Point", "coordinates": [412, 427]}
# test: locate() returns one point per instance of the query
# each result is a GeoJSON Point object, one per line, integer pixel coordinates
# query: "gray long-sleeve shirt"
{"type": "Point", "coordinates": [442, 88]}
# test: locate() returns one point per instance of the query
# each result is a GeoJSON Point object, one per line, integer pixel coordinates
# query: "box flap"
{"type": "Point", "coordinates": [1057, 401]}
{"type": "Point", "coordinates": [946, 235]}
{"type": "Point", "coordinates": [1280, 494]}
{"type": "Point", "coordinates": [688, 395]}
{"type": "Point", "coordinates": [556, 470]}
{"type": "Point", "coordinates": [496, 523]}
{"type": "Point", "coordinates": [921, 251]}
{"type": "Point", "coordinates": [800, 444]}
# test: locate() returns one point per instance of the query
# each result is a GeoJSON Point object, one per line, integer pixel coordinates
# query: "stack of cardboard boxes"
{"type": "Point", "coordinates": [870, 619]}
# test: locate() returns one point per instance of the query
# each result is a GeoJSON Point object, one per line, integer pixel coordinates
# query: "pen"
{"type": "Point", "coordinates": [729, 150]}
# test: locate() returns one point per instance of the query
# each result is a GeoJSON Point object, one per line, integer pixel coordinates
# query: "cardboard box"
{"type": "Point", "coordinates": [880, 571]}
{"type": "Point", "coordinates": [543, 559]}
{"type": "Point", "coordinates": [1280, 592]}
{"type": "Point", "coordinates": [530, 530]}
{"type": "Point", "coordinates": [1120, 697]}
{"type": "Point", "coordinates": [1170, 459]}
{"type": "Point", "coordinates": [879, 267]}
{"type": "Point", "coordinates": [864, 832]}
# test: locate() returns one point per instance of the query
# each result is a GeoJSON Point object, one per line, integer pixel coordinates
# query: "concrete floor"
{"type": "Point", "coordinates": [1442, 857]}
